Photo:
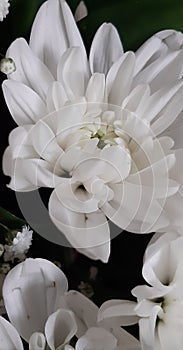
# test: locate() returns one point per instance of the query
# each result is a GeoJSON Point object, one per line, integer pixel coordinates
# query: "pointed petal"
{"type": "Point", "coordinates": [29, 68]}
{"type": "Point", "coordinates": [30, 174]}
{"type": "Point", "coordinates": [146, 52]}
{"type": "Point", "coordinates": [162, 71]}
{"type": "Point", "coordinates": [95, 91]}
{"type": "Point", "coordinates": [63, 33]}
{"type": "Point", "coordinates": [170, 112]}
{"type": "Point", "coordinates": [25, 105]}
{"type": "Point", "coordinates": [56, 97]}
{"type": "Point", "coordinates": [106, 48]}
{"type": "Point", "coordinates": [121, 312]}
{"type": "Point", "coordinates": [73, 72]}
{"type": "Point", "coordinates": [44, 142]}
{"type": "Point", "coordinates": [60, 328]}
{"type": "Point", "coordinates": [85, 311]}
{"type": "Point", "coordinates": [120, 77]}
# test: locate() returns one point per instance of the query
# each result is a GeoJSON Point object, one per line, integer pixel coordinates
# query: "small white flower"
{"type": "Point", "coordinates": [7, 66]}
{"type": "Point", "coordinates": [4, 9]}
{"type": "Point", "coordinates": [20, 245]}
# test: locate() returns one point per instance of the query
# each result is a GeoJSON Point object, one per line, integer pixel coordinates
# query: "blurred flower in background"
{"type": "Point", "coordinates": [4, 9]}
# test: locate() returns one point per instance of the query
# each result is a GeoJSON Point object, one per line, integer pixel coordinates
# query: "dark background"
{"type": "Point", "coordinates": [135, 20]}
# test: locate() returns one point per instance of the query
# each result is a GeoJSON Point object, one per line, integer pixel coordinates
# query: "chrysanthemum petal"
{"type": "Point", "coordinates": [95, 91]}
{"type": "Point", "coordinates": [63, 33]}
{"type": "Point", "coordinates": [120, 77]}
{"type": "Point", "coordinates": [72, 72]}
{"type": "Point", "coordinates": [88, 233]}
{"type": "Point", "coordinates": [29, 68]}
{"type": "Point", "coordinates": [106, 48]}
{"type": "Point", "coordinates": [25, 105]}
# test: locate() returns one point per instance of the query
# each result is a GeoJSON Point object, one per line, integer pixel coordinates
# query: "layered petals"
{"type": "Point", "coordinates": [62, 34]}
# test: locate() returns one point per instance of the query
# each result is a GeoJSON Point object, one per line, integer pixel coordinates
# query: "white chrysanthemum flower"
{"type": "Point", "coordinates": [4, 9]}
{"type": "Point", "coordinates": [20, 245]}
{"type": "Point", "coordinates": [98, 132]}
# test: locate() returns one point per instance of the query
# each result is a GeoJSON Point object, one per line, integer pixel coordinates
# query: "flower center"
{"type": "Point", "coordinates": [106, 129]}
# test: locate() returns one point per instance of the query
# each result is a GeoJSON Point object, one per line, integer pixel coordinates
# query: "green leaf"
{"type": "Point", "coordinates": [9, 221]}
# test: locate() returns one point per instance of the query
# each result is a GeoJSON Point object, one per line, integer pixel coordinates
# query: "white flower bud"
{"type": "Point", "coordinates": [7, 66]}
{"type": "Point", "coordinates": [37, 341]}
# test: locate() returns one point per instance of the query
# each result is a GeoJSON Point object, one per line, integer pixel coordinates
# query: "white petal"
{"type": "Point", "coordinates": [137, 98]}
{"type": "Point", "coordinates": [85, 311]}
{"type": "Point", "coordinates": [97, 339]}
{"type": "Point", "coordinates": [20, 143]}
{"type": "Point", "coordinates": [29, 68]}
{"type": "Point", "coordinates": [169, 114]}
{"type": "Point", "coordinates": [87, 233]}
{"type": "Point", "coordinates": [7, 162]}
{"type": "Point", "coordinates": [37, 341]}
{"type": "Point", "coordinates": [156, 103]}
{"type": "Point", "coordinates": [147, 329]}
{"type": "Point", "coordinates": [9, 337]}
{"type": "Point", "coordinates": [56, 97]}
{"type": "Point", "coordinates": [172, 38]}
{"type": "Point", "coordinates": [50, 44]}
{"type": "Point", "coordinates": [121, 312]}
{"type": "Point", "coordinates": [25, 106]}
{"type": "Point", "coordinates": [60, 328]}
{"type": "Point", "coordinates": [119, 78]}
{"type": "Point", "coordinates": [77, 200]}
{"type": "Point", "coordinates": [112, 164]}
{"type": "Point", "coordinates": [72, 71]}
{"type": "Point", "coordinates": [32, 291]}
{"type": "Point", "coordinates": [162, 71]}
{"type": "Point", "coordinates": [146, 52]}
{"type": "Point", "coordinates": [30, 174]}
{"type": "Point", "coordinates": [44, 142]}
{"type": "Point", "coordinates": [95, 91]}
{"type": "Point", "coordinates": [106, 48]}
